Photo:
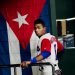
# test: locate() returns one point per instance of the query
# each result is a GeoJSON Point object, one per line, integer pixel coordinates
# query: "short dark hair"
{"type": "Point", "coordinates": [39, 21]}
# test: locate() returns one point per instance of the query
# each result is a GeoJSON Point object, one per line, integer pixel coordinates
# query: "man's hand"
{"type": "Point", "coordinates": [25, 64]}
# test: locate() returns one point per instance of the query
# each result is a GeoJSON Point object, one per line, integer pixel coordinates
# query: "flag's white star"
{"type": "Point", "coordinates": [21, 19]}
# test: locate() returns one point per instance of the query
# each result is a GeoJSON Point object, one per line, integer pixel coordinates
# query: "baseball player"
{"type": "Point", "coordinates": [49, 49]}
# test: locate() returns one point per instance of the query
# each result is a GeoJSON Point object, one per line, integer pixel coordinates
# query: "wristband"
{"type": "Point", "coordinates": [33, 60]}
{"type": "Point", "coordinates": [45, 54]}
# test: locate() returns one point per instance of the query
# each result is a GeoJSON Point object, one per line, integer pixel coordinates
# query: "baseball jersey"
{"type": "Point", "coordinates": [49, 43]}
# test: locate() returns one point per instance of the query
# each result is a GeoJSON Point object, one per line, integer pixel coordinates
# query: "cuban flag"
{"type": "Point", "coordinates": [17, 38]}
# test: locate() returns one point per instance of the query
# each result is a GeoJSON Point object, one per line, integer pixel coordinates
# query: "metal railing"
{"type": "Point", "coordinates": [32, 64]}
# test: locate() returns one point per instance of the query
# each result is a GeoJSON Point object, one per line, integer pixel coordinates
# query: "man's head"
{"type": "Point", "coordinates": [39, 27]}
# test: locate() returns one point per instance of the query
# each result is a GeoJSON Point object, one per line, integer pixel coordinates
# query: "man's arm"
{"type": "Point", "coordinates": [60, 50]}
{"type": "Point", "coordinates": [45, 52]}
{"type": "Point", "coordinates": [43, 55]}
{"type": "Point", "coordinates": [40, 57]}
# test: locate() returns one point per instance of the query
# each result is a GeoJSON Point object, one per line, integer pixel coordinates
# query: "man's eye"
{"type": "Point", "coordinates": [39, 27]}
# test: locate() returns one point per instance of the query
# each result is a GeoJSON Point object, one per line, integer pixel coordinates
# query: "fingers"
{"type": "Point", "coordinates": [25, 64]}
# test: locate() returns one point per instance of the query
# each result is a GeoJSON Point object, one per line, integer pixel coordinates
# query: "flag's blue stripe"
{"type": "Point", "coordinates": [25, 56]}
{"type": "Point", "coordinates": [45, 15]}
{"type": "Point", "coordinates": [4, 49]}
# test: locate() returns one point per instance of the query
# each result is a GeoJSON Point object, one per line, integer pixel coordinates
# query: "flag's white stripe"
{"type": "Point", "coordinates": [33, 46]}
{"type": "Point", "coordinates": [14, 50]}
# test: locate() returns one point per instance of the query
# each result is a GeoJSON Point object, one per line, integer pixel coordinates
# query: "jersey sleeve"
{"type": "Point", "coordinates": [60, 47]}
{"type": "Point", "coordinates": [46, 45]}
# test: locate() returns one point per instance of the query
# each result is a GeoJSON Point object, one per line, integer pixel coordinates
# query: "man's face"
{"type": "Point", "coordinates": [39, 30]}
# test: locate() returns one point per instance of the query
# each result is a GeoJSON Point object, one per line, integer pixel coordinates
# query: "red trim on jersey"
{"type": "Point", "coordinates": [59, 46]}
{"type": "Point", "coordinates": [46, 45]}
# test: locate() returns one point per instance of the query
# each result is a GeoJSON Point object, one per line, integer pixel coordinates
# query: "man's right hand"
{"type": "Point", "coordinates": [25, 64]}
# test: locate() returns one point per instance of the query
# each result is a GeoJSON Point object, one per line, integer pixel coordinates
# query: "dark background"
{"type": "Point", "coordinates": [65, 8]}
